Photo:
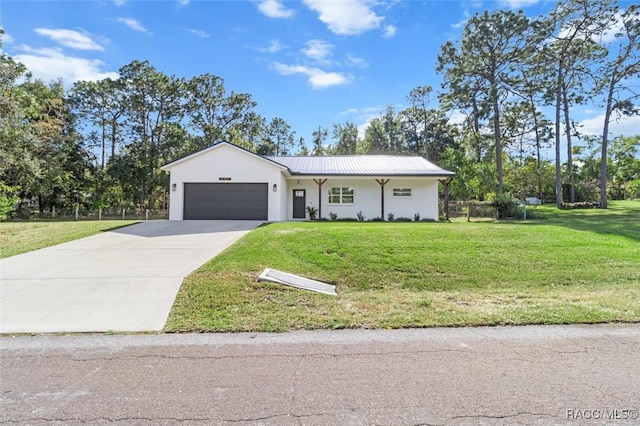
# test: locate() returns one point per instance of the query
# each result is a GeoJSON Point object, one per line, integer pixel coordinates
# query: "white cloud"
{"type": "Point", "coordinates": [347, 17]}
{"type": "Point", "coordinates": [70, 38]}
{"type": "Point", "coordinates": [517, 4]}
{"type": "Point", "coordinates": [626, 126]}
{"type": "Point", "coordinates": [120, 2]}
{"type": "Point", "coordinates": [357, 62]}
{"type": "Point", "coordinates": [364, 116]}
{"type": "Point", "coordinates": [52, 64]}
{"type": "Point", "coordinates": [389, 31]}
{"type": "Point", "coordinates": [183, 2]}
{"type": "Point", "coordinates": [610, 34]}
{"type": "Point", "coordinates": [317, 78]}
{"type": "Point", "coordinates": [603, 38]}
{"type": "Point", "coordinates": [274, 46]}
{"type": "Point", "coordinates": [199, 33]}
{"type": "Point", "coordinates": [274, 9]}
{"type": "Point", "coordinates": [6, 39]}
{"type": "Point", "coordinates": [318, 50]}
{"type": "Point", "coordinates": [460, 24]}
{"type": "Point", "coordinates": [133, 24]}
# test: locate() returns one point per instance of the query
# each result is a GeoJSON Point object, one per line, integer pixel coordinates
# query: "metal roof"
{"type": "Point", "coordinates": [361, 165]}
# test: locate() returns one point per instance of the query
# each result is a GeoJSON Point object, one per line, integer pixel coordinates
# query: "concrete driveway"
{"type": "Point", "coordinates": [122, 280]}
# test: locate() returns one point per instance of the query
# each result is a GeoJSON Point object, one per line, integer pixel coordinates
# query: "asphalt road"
{"type": "Point", "coordinates": [538, 375]}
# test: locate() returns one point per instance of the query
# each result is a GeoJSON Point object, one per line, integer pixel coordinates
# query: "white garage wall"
{"type": "Point", "coordinates": [225, 161]}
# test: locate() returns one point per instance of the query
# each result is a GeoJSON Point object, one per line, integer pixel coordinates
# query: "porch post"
{"type": "Point", "coordinates": [445, 184]}
{"type": "Point", "coordinates": [319, 182]}
{"type": "Point", "coordinates": [382, 183]}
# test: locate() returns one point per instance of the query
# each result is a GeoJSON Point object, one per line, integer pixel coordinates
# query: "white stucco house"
{"type": "Point", "coordinates": [228, 182]}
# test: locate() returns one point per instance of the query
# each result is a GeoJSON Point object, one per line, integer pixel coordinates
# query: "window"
{"type": "Point", "coordinates": [341, 195]}
{"type": "Point", "coordinates": [402, 192]}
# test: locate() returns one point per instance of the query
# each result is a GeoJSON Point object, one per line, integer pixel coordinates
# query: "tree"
{"type": "Point", "coordinates": [570, 27]}
{"type": "Point", "coordinates": [154, 112]}
{"type": "Point", "coordinates": [624, 164]}
{"type": "Point", "coordinates": [278, 138]}
{"type": "Point", "coordinates": [479, 72]}
{"type": "Point", "coordinates": [303, 151]}
{"type": "Point", "coordinates": [248, 132]}
{"type": "Point", "coordinates": [527, 131]}
{"type": "Point", "coordinates": [375, 137]}
{"type": "Point", "coordinates": [420, 120]}
{"type": "Point", "coordinates": [346, 138]}
{"type": "Point", "coordinates": [213, 114]}
{"type": "Point", "coordinates": [100, 108]}
{"type": "Point", "coordinates": [622, 65]}
{"type": "Point", "coordinates": [319, 137]}
{"type": "Point", "coordinates": [427, 133]}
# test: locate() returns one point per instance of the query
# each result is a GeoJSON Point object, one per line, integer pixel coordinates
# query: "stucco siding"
{"type": "Point", "coordinates": [221, 164]}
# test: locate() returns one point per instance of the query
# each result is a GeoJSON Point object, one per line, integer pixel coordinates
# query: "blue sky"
{"type": "Point", "coordinates": [311, 62]}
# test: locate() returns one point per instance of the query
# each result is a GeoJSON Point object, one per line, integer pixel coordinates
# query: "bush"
{"type": "Point", "coordinates": [581, 205]}
{"type": "Point", "coordinates": [348, 219]}
{"type": "Point", "coordinates": [390, 217]}
{"type": "Point", "coordinates": [376, 219]}
{"type": "Point", "coordinates": [506, 206]}
{"type": "Point", "coordinates": [8, 200]}
{"type": "Point", "coordinates": [7, 205]}
{"type": "Point", "coordinates": [312, 212]}
{"type": "Point", "coordinates": [403, 219]}
{"type": "Point", "coordinates": [360, 216]}
{"type": "Point", "coordinates": [416, 217]}
{"type": "Point", "coordinates": [333, 216]}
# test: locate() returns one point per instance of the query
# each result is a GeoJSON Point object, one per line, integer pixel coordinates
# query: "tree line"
{"type": "Point", "coordinates": [511, 86]}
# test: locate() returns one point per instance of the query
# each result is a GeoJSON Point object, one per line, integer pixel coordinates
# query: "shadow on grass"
{"type": "Point", "coordinates": [621, 218]}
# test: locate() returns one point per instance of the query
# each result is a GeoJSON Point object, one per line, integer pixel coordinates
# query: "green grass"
{"type": "Point", "coordinates": [578, 266]}
{"type": "Point", "coordinates": [21, 237]}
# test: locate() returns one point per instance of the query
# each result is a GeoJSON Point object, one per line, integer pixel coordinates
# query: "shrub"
{"type": "Point", "coordinates": [403, 219]}
{"type": "Point", "coordinates": [348, 219]}
{"type": "Point", "coordinates": [312, 212]}
{"type": "Point", "coordinates": [390, 217]}
{"type": "Point", "coordinates": [360, 216]}
{"type": "Point", "coordinates": [416, 217]}
{"type": "Point", "coordinates": [8, 200]}
{"type": "Point", "coordinates": [333, 216]}
{"type": "Point", "coordinates": [581, 205]}
{"type": "Point", "coordinates": [376, 219]}
{"type": "Point", "coordinates": [506, 206]}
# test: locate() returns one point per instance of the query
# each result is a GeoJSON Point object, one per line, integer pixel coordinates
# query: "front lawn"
{"type": "Point", "coordinates": [578, 266]}
{"type": "Point", "coordinates": [21, 237]}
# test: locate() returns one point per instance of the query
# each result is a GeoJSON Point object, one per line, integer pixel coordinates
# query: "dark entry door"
{"type": "Point", "coordinates": [299, 203]}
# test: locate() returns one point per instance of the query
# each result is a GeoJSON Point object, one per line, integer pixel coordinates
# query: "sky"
{"type": "Point", "coordinates": [311, 62]}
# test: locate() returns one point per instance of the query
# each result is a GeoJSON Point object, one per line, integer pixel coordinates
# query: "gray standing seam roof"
{"type": "Point", "coordinates": [361, 165]}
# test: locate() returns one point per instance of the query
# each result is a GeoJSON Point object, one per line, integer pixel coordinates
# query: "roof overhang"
{"type": "Point", "coordinates": [169, 166]}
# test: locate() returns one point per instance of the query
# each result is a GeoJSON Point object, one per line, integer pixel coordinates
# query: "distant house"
{"type": "Point", "coordinates": [227, 182]}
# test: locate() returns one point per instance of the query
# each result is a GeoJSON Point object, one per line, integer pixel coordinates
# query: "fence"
{"type": "Point", "coordinates": [469, 210]}
{"type": "Point", "coordinates": [101, 214]}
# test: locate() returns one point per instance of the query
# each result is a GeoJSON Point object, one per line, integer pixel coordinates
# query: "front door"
{"type": "Point", "coordinates": [299, 203]}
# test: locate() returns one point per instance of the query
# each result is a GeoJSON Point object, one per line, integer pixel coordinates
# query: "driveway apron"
{"type": "Point", "coordinates": [121, 280]}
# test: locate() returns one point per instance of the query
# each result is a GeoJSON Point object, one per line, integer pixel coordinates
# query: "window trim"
{"type": "Point", "coordinates": [402, 192]}
{"type": "Point", "coordinates": [351, 192]}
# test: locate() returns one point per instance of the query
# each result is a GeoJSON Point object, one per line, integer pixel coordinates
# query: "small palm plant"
{"type": "Point", "coordinates": [313, 212]}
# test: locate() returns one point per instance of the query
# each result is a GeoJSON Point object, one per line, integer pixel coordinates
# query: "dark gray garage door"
{"type": "Point", "coordinates": [226, 201]}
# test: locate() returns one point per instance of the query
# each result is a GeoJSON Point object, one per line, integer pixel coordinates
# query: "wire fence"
{"type": "Point", "coordinates": [78, 213]}
{"type": "Point", "coordinates": [469, 210]}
